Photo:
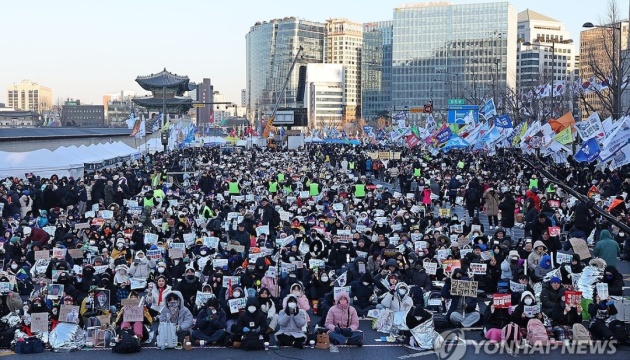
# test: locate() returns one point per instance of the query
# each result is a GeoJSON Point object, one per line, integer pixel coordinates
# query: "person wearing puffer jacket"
{"type": "Point", "coordinates": [297, 290]}
{"type": "Point", "coordinates": [543, 268]}
{"type": "Point", "coordinates": [534, 257]}
{"type": "Point", "coordinates": [175, 312]}
{"type": "Point", "coordinates": [156, 295]}
{"type": "Point", "coordinates": [397, 299]}
{"type": "Point", "coordinates": [141, 266]}
{"type": "Point", "coordinates": [342, 323]}
{"type": "Point", "coordinates": [291, 322]}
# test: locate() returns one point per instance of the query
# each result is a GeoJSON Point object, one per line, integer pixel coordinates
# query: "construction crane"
{"type": "Point", "coordinates": [269, 125]}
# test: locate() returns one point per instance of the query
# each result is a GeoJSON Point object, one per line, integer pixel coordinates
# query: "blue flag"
{"type": "Point", "coordinates": [444, 135]}
{"type": "Point", "coordinates": [589, 151]}
{"type": "Point", "coordinates": [488, 109]}
{"type": "Point", "coordinates": [503, 121]}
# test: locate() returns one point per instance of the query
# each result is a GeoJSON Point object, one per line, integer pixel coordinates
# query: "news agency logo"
{"type": "Point", "coordinates": [454, 347]}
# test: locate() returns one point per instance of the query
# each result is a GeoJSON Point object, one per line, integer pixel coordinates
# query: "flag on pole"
{"type": "Point", "coordinates": [589, 151]}
{"type": "Point", "coordinates": [142, 132]}
{"type": "Point", "coordinates": [564, 137]}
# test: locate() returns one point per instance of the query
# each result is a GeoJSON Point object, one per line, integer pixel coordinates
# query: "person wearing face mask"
{"type": "Point", "coordinates": [252, 320]}
{"type": "Point", "coordinates": [203, 258]}
{"type": "Point", "coordinates": [120, 251]}
{"type": "Point", "coordinates": [462, 310]}
{"type": "Point", "coordinates": [160, 269]}
{"type": "Point", "coordinates": [268, 306]}
{"type": "Point", "coordinates": [141, 267]}
{"type": "Point", "coordinates": [614, 279]}
{"type": "Point", "coordinates": [297, 290]}
{"type": "Point", "coordinates": [211, 323]}
{"type": "Point", "coordinates": [342, 323]}
{"type": "Point", "coordinates": [364, 296]}
{"type": "Point", "coordinates": [188, 287]}
{"type": "Point", "coordinates": [518, 314]}
{"type": "Point", "coordinates": [291, 323]}
{"type": "Point", "coordinates": [176, 313]}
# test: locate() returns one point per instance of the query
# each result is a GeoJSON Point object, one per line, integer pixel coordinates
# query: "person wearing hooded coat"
{"type": "Point", "coordinates": [291, 322]}
{"type": "Point", "coordinates": [363, 293]}
{"type": "Point", "coordinates": [397, 299]}
{"type": "Point", "coordinates": [534, 257]}
{"type": "Point", "coordinates": [518, 314]}
{"type": "Point", "coordinates": [211, 323]}
{"type": "Point", "coordinates": [607, 248]}
{"type": "Point", "coordinates": [496, 319]}
{"type": "Point", "coordinates": [175, 312]}
{"type": "Point", "coordinates": [141, 266]}
{"type": "Point", "coordinates": [342, 323]}
{"type": "Point", "coordinates": [543, 268]}
{"type": "Point", "coordinates": [614, 279]}
{"type": "Point", "coordinates": [253, 319]}
{"type": "Point", "coordinates": [188, 287]}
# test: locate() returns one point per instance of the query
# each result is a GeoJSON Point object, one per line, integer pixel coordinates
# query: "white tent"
{"type": "Point", "coordinates": [311, 139]}
{"type": "Point", "coordinates": [152, 145]}
{"type": "Point", "coordinates": [41, 162]}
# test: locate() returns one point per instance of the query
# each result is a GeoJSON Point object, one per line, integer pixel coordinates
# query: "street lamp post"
{"type": "Point", "coordinates": [619, 74]}
{"type": "Point", "coordinates": [553, 67]}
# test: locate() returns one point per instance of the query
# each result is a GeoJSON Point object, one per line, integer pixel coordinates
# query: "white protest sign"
{"type": "Point", "coordinates": [531, 311]}
{"type": "Point", "coordinates": [602, 291]}
{"type": "Point", "coordinates": [233, 280]}
{"type": "Point", "coordinates": [316, 263]}
{"type": "Point", "coordinates": [516, 287]}
{"type": "Point", "coordinates": [262, 230]}
{"type": "Point", "coordinates": [337, 291]}
{"type": "Point", "coordinates": [220, 263]}
{"type": "Point", "coordinates": [50, 230]}
{"type": "Point", "coordinates": [211, 242]}
{"type": "Point", "coordinates": [237, 304]}
{"type": "Point", "coordinates": [133, 312]}
{"type": "Point", "coordinates": [430, 267]}
{"type": "Point", "coordinates": [39, 322]}
{"type": "Point", "coordinates": [150, 239]}
{"type": "Point", "coordinates": [563, 258]}
{"type": "Point", "coordinates": [202, 298]}
{"type": "Point", "coordinates": [189, 239]}
{"type": "Point", "coordinates": [478, 269]}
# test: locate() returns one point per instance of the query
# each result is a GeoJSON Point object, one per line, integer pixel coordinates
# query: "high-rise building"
{"type": "Point", "coordinates": [324, 98]}
{"type": "Point", "coordinates": [376, 70]}
{"type": "Point", "coordinates": [598, 52]}
{"type": "Point", "coordinates": [205, 94]}
{"type": "Point", "coordinates": [29, 96]}
{"type": "Point", "coordinates": [243, 97]}
{"type": "Point", "coordinates": [536, 63]}
{"type": "Point", "coordinates": [443, 51]}
{"type": "Point", "coordinates": [343, 45]}
{"type": "Point", "coordinates": [271, 47]}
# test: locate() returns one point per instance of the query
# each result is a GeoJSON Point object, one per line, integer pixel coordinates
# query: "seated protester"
{"type": "Point", "coordinates": [417, 276]}
{"type": "Point", "coordinates": [291, 322]}
{"type": "Point", "coordinates": [297, 290]}
{"type": "Point", "coordinates": [600, 311]}
{"type": "Point", "coordinates": [534, 257]}
{"type": "Point", "coordinates": [550, 295]}
{"type": "Point", "coordinates": [270, 283]}
{"type": "Point", "coordinates": [576, 268]}
{"type": "Point", "coordinates": [237, 292]}
{"type": "Point", "coordinates": [543, 268]}
{"type": "Point", "coordinates": [493, 276]}
{"type": "Point", "coordinates": [397, 299]}
{"type": "Point", "coordinates": [500, 237]}
{"type": "Point", "coordinates": [523, 280]}
{"type": "Point", "coordinates": [139, 326]}
{"type": "Point", "coordinates": [496, 319]}
{"type": "Point", "coordinates": [320, 285]}
{"type": "Point", "coordinates": [342, 323]}
{"type": "Point", "coordinates": [188, 287]}
{"type": "Point", "coordinates": [518, 314]}
{"type": "Point", "coordinates": [462, 310]}
{"type": "Point", "coordinates": [564, 313]}
{"type": "Point", "coordinates": [510, 266]}
{"type": "Point", "coordinates": [211, 323]}
{"type": "Point", "coordinates": [175, 312]}
{"type": "Point", "coordinates": [161, 269]}
{"type": "Point", "coordinates": [141, 266]}
{"type": "Point", "coordinates": [268, 306]}
{"type": "Point", "coordinates": [363, 295]}
{"type": "Point", "coordinates": [614, 279]}
{"type": "Point", "coordinates": [250, 320]}
{"type": "Point", "coordinates": [525, 250]}
{"type": "Point", "coordinates": [156, 295]}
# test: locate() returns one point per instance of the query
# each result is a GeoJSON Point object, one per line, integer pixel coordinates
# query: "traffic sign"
{"type": "Point", "coordinates": [198, 105]}
{"type": "Point", "coordinates": [456, 101]}
{"type": "Point", "coordinates": [463, 114]}
{"type": "Point", "coordinates": [426, 109]}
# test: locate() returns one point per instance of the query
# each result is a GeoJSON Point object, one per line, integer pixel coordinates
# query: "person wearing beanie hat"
{"type": "Point", "coordinates": [550, 295]}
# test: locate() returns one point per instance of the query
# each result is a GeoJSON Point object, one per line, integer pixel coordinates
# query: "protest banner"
{"type": "Point", "coordinates": [132, 311]}
{"type": "Point", "coordinates": [338, 290]}
{"type": "Point", "coordinates": [502, 301]}
{"type": "Point", "coordinates": [580, 247]}
{"type": "Point", "coordinates": [573, 298]}
{"type": "Point", "coordinates": [39, 322]}
{"type": "Point", "coordinates": [464, 288]}
{"type": "Point", "coordinates": [211, 242]}
{"type": "Point", "coordinates": [107, 214]}
{"type": "Point", "coordinates": [430, 267]}
{"type": "Point", "coordinates": [345, 236]}
{"type": "Point", "coordinates": [554, 230]}
{"type": "Point", "coordinates": [202, 298]}
{"type": "Point", "coordinates": [457, 229]}
{"type": "Point", "coordinates": [189, 239]}
{"type": "Point", "coordinates": [154, 254]}
{"type": "Point", "coordinates": [237, 304]}
{"type": "Point", "coordinates": [316, 264]}
{"type": "Point", "coordinates": [262, 230]}
{"type": "Point", "coordinates": [563, 258]}
{"type": "Point", "coordinates": [478, 269]}
{"type": "Point", "coordinates": [220, 263]}
{"type": "Point", "coordinates": [150, 239]}
{"type": "Point", "coordinates": [59, 253]}
{"type": "Point", "coordinates": [463, 241]}
{"type": "Point", "coordinates": [236, 247]}
{"type": "Point", "coordinates": [450, 265]}
{"type": "Point", "coordinates": [444, 212]}
{"type": "Point", "coordinates": [531, 311]}
{"type": "Point", "coordinates": [76, 253]}
{"type": "Point", "coordinates": [231, 280]}
{"type": "Point", "coordinates": [50, 230]}
{"type": "Point", "coordinates": [602, 290]}
{"type": "Point", "coordinates": [5, 288]}
{"type": "Point", "coordinates": [175, 253]}
{"type": "Point", "coordinates": [42, 255]}
{"type": "Point", "coordinates": [69, 313]}
{"type": "Point", "coordinates": [81, 226]}
{"type": "Point", "coordinates": [517, 287]}
{"type": "Point", "coordinates": [476, 228]}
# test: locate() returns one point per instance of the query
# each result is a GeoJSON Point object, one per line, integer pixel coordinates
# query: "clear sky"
{"type": "Point", "coordinates": [85, 49]}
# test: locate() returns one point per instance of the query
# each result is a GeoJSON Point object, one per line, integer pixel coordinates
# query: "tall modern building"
{"type": "Point", "coordinates": [29, 96]}
{"type": "Point", "coordinates": [205, 93]}
{"type": "Point", "coordinates": [270, 50]}
{"type": "Point", "coordinates": [443, 51]}
{"type": "Point", "coordinates": [376, 70]}
{"type": "Point", "coordinates": [550, 59]}
{"type": "Point", "coordinates": [343, 45]}
{"type": "Point", "coordinates": [324, 97]}
{"type": "Point", "coordinates": [597, 54]}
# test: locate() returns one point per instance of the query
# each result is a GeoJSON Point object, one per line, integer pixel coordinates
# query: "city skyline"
{"type": "Point", "coordinates": [86, 51]}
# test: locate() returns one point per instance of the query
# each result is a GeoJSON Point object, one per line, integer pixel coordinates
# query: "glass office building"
{"type": "Point", "coordinates": [270, 49]}
{"type": "Point", "coordinates": [443, 51]}
{"type": "Point", "coordinates": [376, 70]}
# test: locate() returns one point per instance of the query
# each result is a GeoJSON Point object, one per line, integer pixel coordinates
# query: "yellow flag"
{"type": "Point", "coordinates": [565, 136]}
{"type": "Point", "coordinates": [519, 136]}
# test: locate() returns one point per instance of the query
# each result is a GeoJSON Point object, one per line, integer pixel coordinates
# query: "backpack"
{"type": "Point", "coordinates": [619, 330]}
{"type": "Point", "coordinates": [252, 341]}
{"type": "Point", "coordinates": [537, 333]}
{"type": "Point", "coordinates": [580, 334]}
{"type": "Point", "coordinates": [275, 218]}
{"type": "Point", "coordinates": [511, 335]}
{"type": "Point", "coordinates": [127, 343]}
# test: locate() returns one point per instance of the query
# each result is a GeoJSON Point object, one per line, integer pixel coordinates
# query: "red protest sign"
{"type": "Point", "coordinates": [502, 301]}
{"type": "Point", "coordinates": [573, 298]}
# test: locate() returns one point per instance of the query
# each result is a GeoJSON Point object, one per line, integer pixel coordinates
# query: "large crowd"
{"type": "Point", "coordinates": [249, 247]}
